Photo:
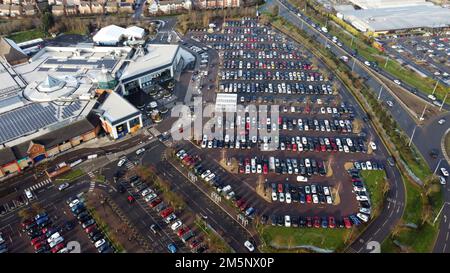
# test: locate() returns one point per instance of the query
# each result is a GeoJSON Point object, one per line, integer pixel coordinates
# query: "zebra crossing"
{"type": "Point", "coordinates": [129, 165]}
{"type": "Point", "coordinates": [91, 175]}
{"type": "Point", "coordinates": [92, 186]}
{"type": "Point", "coordinates": [40, 184]}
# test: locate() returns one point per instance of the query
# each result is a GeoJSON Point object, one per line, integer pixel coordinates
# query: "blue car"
{"type": "Point", "coordinates": [172, 248]}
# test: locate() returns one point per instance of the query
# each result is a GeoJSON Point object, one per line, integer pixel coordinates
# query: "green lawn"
{"type": "Point", "coordinates": [447, 144]}
{"type": "Point", "coordinates": [23, 36]}
{"type": "Point", "coordinates": [69, 177]}
{"type": "Point", "coordinates": [415, 240]}
{"type": "Point", "coordinates": [331, 239]}
{"type": "Point", "coordinates": [375, 182]}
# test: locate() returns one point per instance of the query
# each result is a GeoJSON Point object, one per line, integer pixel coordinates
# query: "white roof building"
{"type": "Point", "coordinates": [112, 34]}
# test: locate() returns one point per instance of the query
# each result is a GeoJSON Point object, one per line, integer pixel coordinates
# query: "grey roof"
{"type": "Point", "coordinates": [6, 156]}
{"type": "Point", "coordinates": [21, 150]}
{"type": "Point", "coordinates": [410, 17]}
{"type": "Point", "coordinates": [11, 52]}
{"type": "Point", "coordinates": [65, 133]}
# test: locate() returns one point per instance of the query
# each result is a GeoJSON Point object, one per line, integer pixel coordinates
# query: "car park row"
{"type": "Point", "coordinates": [164, 210]}
{"type": "Point", "coordinates": [89, 225]}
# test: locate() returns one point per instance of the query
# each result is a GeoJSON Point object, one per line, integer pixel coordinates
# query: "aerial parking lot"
{"type": "Point", "coordinates": [305, 171]}
{"type": "Point", "coordinates": [430, 53]}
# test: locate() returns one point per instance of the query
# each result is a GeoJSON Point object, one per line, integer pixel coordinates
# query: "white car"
{"type": "Point", "coordinates": [58, 240]}
{"type": "Point", "coordinates": [99, 243]}
{"type": "Point", "coordinates": [145, 192]}
{"type": "Point", "coordinates": [369, 165]}
{"type": "Point", "coordinates": [274, 196]}
{"type": "Point", "coordinates": [281, 197]}
{"type": "Point", "coordinates": [444, 172]}
{"type": "Point", "coordinates": [315, 199]}
{"type": "Point", "coordinates": [209, 177]}
{"type": "Point", "coordinates": [205, 174]}
{"type": "Point", "coordinates": [29, 194]}
{"type": "Point", "coordinates": [367, 63]}
{"type": "Point", "coordinates": [441, 121]}
{"type": "Point", "coordinates": [313, 189]}
{"type": "Point", "coordinates": [326, 190]}
{"type": "Point", "coordinates": [431, 97]}
{"type": "Point", "coordinates": [287, 221]}
{"type": "Point", "coordinates": [176, 225]}
{"type": "Point", "coordinates": [150, 197]}
{"type": "Point", "coordinates": [140, 151]}
{"type": "Point", "coordinates": [397, 82]}
{"type": "Point", "coordinates": [364, 210]}
{"type": "Point", "coordinates": [249, 246]}
{"type": "Point", "coordinates": [301, 178]}
{"type": "Point", "coordinates": [121, 162]}
{"type": "Point", "coordinates": [390, 103]}
{"type": "Point", "coordinates": [329, 200]}
{"type": "Point", "coordinates": [74, 203]}
{"type": "Point", "coordinates": [288, 198]}
{"type": "Point", "coordinates": [442, 180]}
{"type": "Point", "coordinates": [63, 186]}
{"type": "Point", "coordinates": [54, 236]}
{"type": "Point", "coordinates": [373, 146]}
{"type": "Point", "coordinates": [363, 217]}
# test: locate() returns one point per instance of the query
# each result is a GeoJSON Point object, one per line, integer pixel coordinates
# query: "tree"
{"type": "Point", "coordinates": [47, 21]}
{"type": "Point", "coordinates": [275, 10]}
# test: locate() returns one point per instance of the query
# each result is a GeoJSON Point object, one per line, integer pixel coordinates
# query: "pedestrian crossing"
{"type": "Point", "coordinates": [129, 165]}
{"type": "Point", "coordinates": [91, 175]}
{"type": "Point", "coordinates": [154, 131]}
{"type": "Point", "coordinates": [92, 186]}
{"type": "Point", "coordinates": [40, 184]}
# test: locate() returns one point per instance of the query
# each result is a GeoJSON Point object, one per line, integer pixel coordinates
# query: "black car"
{"type": "Point", "coordinates": [84, 219]}
{"type": "Point", "coordinates": [273, 219]}
{"type": "Point", "coordinates": [103, 247]}
{"type": "Point", "coordinates": [97, 236]}
{"type": "Point", "coordinates": [264, 219]}
{"type": "Point", "coordinates": [121, 188]}
{"type": "Point", "coordinates": [69, 225]}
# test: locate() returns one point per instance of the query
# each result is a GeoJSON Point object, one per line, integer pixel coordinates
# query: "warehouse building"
{"type": "Point", "coordinates": [384, 20]}
{"type": "Point", "coordinates": [112, 35]}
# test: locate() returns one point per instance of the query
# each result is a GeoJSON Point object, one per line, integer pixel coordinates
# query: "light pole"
{"type": "Point", "coordinates": [443, 102]}
{"type": "Point", "coordinates": [354, 61]}
{"type": "Point", "coordinates": [379, 94]}
{"type": "Point", "coordinates": [387, 60]}
{"type": "Point", "coordinates": [351, 44]}
{"type": "Point", "coordinates": [437, 167]}
{"type": "Point", "coordinates": [435, 86]}
{"type": "Point", "coordinates": [412, 136]}
{"type": "Point", "coordinates": [423, 112]}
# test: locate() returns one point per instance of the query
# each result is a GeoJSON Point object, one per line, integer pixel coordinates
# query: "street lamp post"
{"type": "Point", "coordinates": [443, 102]}
{"type": "Point", "coordinates": [437, 167]}
{"type": "Point", "coordinates": [379, 94]}
{"type": "Point", "coordinates": [423, 112]}
{"type": "Point", "coordinates": [354, 61]}
{"type": "Point", "coordinates": [387, 60]}
{"type": "Point", "coordinates": [412, 136]}
{"type": "Point", "coordinates": [435, 86]}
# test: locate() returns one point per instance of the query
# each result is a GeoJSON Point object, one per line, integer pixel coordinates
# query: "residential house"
{"type": "Point", "coordinates": [111, 7]}
{"type": "Point", "coordinates": [58, 10]}
{"type": "Point", "coordinates": [213, 4]}
{"type": "Point", "coordinates": [97, 7]}
{"type": "Point", "coordinates": [16, 10]}
{"type": "Point", "coordinates": [71, 9]}
{"type": "Point", "coordinates": [170, 6]}
{"type": "Point", "coordinates": [126, 7]}
{"type": "Point", "coordinates": [29, 10]}
{"type": "Point", "coordinates": [84, 7]}
{"type": "Point", "coordinates": [5, 9]}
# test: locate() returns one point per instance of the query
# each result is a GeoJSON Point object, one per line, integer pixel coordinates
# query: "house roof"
{"type": "Point", "coordinates": [115, 108]}
{"type": "Point", "coordinates": [6, 156]}
{"type": "Point", "coordinates": [65, 133]}
{"type": "Point", "coordinates": [11, 51]}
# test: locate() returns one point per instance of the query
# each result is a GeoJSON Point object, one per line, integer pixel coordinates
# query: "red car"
{"type": "Point", "coordinates": [40, 244]}
{"type": "Point", "coordinates": [243, 206]}
{"type": "Point", "coordinates": [331, 223]}
{"type": "Point", "coordinates": [265, 169]}
{"type": "Point", "coordinates": [239, 202]}
{"type": "Point", "coordinates": [27, 222]}
{"type": "Point", "coordinates": [38, 239]}
{"type": "Point", "coordinates": [194, 243]}
{"type": "Point", "coordinates": [241, 169]}
{"type": "Point", "coordinates": [294, 147]}
{"type": "Point", "coordinates": [347, 222]}
{"type": "Point", "coordinates": [182, 231]}
{"type": "Point", "coordinates": [308, 198]}
{"type": "Point", "coordinates": [155, 202]}
{"type": "Point", "coordinates": [356, 180]}
{"type": "Point", "coordinates": [280, 188]}
{"type": "Point", "coordinates": [316, 222]}
{"type": "Point", "coordinates": [90, 228]}
{"type": "Point", "coordinates": [308, 221]}
{"type": "Point", "coordinates": [57, 248]}
{"type": "Point", "coordinates": [166, 212]}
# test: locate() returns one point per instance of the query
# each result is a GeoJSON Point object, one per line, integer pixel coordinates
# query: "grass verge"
{"type": "Point", "coordinates": [215, 242]}
{"type": "Point", "coordinates": [447, 144]}
{"type": "Point", "coordinates": [286, 239]}
{"type": "Point", "coordinates": [375, 182]}
{"type": "Point", "coordinates": [26, 35]}
{"type": "Point", "coordinates": [69, 177]}
{"type": "Point", "coordinates": [406, 238]}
